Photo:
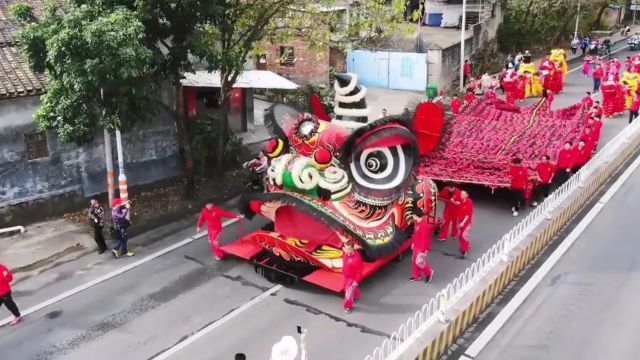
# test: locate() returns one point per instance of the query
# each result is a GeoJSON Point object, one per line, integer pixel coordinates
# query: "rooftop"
{"type": "Point", "coordinates": [254, 79]}
{"type": "Point", "coordinates": [16, 78]}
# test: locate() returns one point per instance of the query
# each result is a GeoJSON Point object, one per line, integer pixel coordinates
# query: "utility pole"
{"type": "Point", "coordinates": [122, 178]}
{"type": "Point", "coordinates": [109, 160]}
{"type": "Point", "coordinates": [577, 19]}
{"type": "Point", "coordinates": [108, 157]}
{"type": "Point", "coordinates": [634, 5]}
{"type": "Point", "coordinates": [462, 38]}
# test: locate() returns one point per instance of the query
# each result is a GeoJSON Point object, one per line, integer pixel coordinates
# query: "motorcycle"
{"type": "Point", "coordinates": [634, 43]}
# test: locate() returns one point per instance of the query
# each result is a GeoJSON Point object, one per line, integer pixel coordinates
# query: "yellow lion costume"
{"type": "Point", "coordinates": [630, 80]}
{"type": "Point", "coordinates": [558, 56]}
{"type": "Point", "coordinates": [534, 85]}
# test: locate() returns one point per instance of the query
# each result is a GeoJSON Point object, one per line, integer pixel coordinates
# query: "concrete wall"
{"type": "Point", "coordinates": [69, 172]}
{"type": "Point", "coordinates": [444, 63]}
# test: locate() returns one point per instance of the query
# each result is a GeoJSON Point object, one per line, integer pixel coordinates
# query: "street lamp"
{"type": "Point", "coordinates": [462, 38]}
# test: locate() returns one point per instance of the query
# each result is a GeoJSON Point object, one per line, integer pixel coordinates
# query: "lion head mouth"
{"type": "Point", "coordinates": [320, 223]}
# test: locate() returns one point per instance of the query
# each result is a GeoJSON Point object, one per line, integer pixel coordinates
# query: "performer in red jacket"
{"type": "Point", "coordinates": [352, 267]}
{"type": "Point", "coordinates": [582, 155]}
{"type": "Point", "coordinates": [545, 171]}
{"type": "Point", "coordinates": [564, 163]}
{"type": "Point", "coordinates": [465, 218]}
{"type": "Point", "coordinates": [456, 104]}
{"type": "Point", "coordinates": [587, 101]}
{"type": "Point", "coordinates": [595, 123]}
{"type": "Point", "coordinates": [469, 96]}
{"type": "Point", "coordinates": [420, 246]}
{"type": "Point", "coordinates": [5, 294]}
{"type": "Point", "coordinates": [519, 179]}
{"type": "Point", "coordinates": [451, 197]}
{"type": "Point", "coordinates": [211, 215]}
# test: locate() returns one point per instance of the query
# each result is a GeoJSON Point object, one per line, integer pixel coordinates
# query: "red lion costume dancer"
{"type": "Point", "coordinates": [612, 98]}
{"type": "Point", "coordinates": [465, 218]}
{"type": "Point", "coordinates": [451, 197]}
{"type": "Point", "coordinates": [510, 85]}
{"type": "Point", "coordinates": [420, 246]}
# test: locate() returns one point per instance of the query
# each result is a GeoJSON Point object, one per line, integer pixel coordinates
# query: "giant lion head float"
{"type": "Point", "coordinates": [333, 182]}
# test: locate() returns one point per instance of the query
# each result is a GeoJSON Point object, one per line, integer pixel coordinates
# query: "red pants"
{"type": "Point", "coordinates": [351, 294]}
{"type": "Point", "coordinates": [450, 221]}
{"type": "Point", "coordinates": [464, 238]}
{"type": "Point", "coordinates": [214, 243]}
{"type": "Point", "coordinates": [418, 269]}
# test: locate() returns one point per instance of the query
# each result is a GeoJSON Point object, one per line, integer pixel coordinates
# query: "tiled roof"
{"type": "Point", "coordinates": [16, 77]}
{"type": "Point", "coordinates": [8, 26]}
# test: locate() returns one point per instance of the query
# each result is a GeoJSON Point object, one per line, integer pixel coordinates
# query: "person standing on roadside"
{"type": "Point", "coordinates": [121, 223]}
{"type": "Point", "coordinates": [574, 44]}
{"type": "Point", "coordinates": [465, 218]}
{"type": "Point", "coordinates": [96, 216]}
{"type": "Point", "coordinates": [5, 294]}
{"type": "Point", "coordinates": [420, 246]}
{"type": "Point", "coordinates": [210, 216]}
{"type": "Point", "coordinates": [466, 72]}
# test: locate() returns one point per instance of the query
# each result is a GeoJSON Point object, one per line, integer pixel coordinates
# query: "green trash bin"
{"type": "Point", "coordinates": [432, 91]}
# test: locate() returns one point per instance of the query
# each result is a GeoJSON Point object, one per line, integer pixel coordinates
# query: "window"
{"type": "Point", "coordinates": [287, 57]}
{"type": "Point", "coordinates": [36, 145]}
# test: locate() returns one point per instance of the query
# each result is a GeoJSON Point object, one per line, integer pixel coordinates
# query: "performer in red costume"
{"type": "Point", "coordinates": [352, 267]}
{"type": "Point", "coordinates": [582, 155]}
{"type": "Point", "coordinates": [521, 88]}
{"type": "Point", "coordinates": [546, 68]}
{"type": "Point", "coordinates": [469, 96]}
{"type": "Point", "coordinates": [519, 179]}
{"type": "Point", "coordinates": [595, 123]}
{"type": "Point", "coordinates": [420, 246]}
{"type": "Point", "coordinates": [545, 171]}
{"type": "Point", "coordinates": [211, 216]}
{"type": "Point", "coordinates": [456, 104]}
{"type": "Point", "coordinates": [564, 163]}
{"type": "Point", "coordinates": [509, 83]}
{"type": "Point", "coordinates": [451, 197]}
{"type": "Point", "coordinates": [587, 101]}
{"type": "Point", "coordinates": [465, 219]}
{"type": "Point", "coordinates": [589, 138]}
{"type": "Point", "coordinates": [610, 95]}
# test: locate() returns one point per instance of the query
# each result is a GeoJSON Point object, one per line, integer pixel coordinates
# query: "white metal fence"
{"type": "Point", "coordinates": [435, 309]}
{"type": "Point", "coordinates": [12, 229]}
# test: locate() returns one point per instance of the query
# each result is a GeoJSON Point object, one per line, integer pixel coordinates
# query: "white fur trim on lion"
{"type": "Point", "coordinates": [351, 125]}
{"type": "Point", "coordinates": [353, 98]}
{"type": "Point", "coordinates": [334, 179]}
{"type": "Point", "coordinates": [347, 89]}
{"type": "Point", "coordinates": [304, 176]}
{"type": "Point", "coordinates": [351, 112]}
{"type": "Point", "coordinates": [276, 169]}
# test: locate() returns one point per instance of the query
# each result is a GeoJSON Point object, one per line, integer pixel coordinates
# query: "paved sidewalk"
{"type": "Point", "coordinates": [51, 243]}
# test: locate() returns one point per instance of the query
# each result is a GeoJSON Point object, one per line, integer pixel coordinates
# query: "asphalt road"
{"type": "Point", "coordinates": [170, 299]}
{"type": "Point", "coordinates": [586, 306]}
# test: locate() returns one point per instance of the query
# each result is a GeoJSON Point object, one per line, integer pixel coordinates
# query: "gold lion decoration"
{"type": "Point", "coordinates": [630, 81]}
{"type": "Point", "coordinates": [558, 56]}
{"type": "Point", "coordinates": [534, 84]}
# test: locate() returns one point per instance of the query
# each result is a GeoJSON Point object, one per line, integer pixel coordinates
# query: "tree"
{"type": "Point", "coordinates": [241, 27]}
{"type": "Point", "coordinates": [98, 69]}
{"type": "Point", "coordinates": [169, 27]}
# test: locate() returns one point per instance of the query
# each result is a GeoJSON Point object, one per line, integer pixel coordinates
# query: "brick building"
{"type": "Point", "coordinates": [296, 62]}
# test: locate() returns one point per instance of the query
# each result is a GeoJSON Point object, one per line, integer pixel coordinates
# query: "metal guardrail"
{"type": "Point", "coordinates": [434, 310]}
{"type": "Point", "coordinates": [12, 229]}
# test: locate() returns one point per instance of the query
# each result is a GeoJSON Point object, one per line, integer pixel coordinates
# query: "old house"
{"type": "Point", "coordinates": [39, 175]}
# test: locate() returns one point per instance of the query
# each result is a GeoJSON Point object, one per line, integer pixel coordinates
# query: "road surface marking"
{"type": "Point", "coordinates": [114, 273]}
{"type": "Point", "coordinates": [499, 321]}
{"type": "Point", "coordinates": [191, 339]}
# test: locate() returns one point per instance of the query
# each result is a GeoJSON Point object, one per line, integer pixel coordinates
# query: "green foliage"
{"type": "Point", "coordinates": [22, 12]}
{"type": "Point", "coordinates": [299, 98]}
{"type": "Point", "coordinates": [487, 59]}
{"type": "Point", "coordinates": [98, 71]}
{"type": "Point", "coordinates": [206, 133]}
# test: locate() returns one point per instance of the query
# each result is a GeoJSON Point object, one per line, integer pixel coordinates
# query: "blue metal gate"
{"type": "Point", "coordinates": [393, 70]}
